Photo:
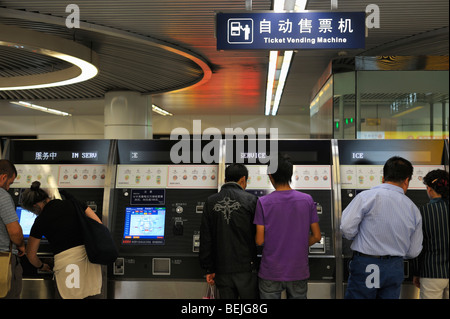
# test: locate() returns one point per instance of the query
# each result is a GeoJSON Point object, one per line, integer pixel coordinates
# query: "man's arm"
{"type": "Point", "coordinates": [16, 235]}
{"type": "Point", "coordinates": [315, 235]}
{"type": "Point", "coordinates": [351, 218]}
{"type": "Point", "coordinates": [259, 238]}
{"type": "Point", "coordinates": [417, 237]}
{"type": "Point", "coordinates": [259, 222]}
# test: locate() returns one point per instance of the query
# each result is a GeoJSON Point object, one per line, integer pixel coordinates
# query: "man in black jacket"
{"type": "Point", "coordinates": [227, 237]}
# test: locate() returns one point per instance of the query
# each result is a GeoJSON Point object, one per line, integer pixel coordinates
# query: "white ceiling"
{"type": "Point", "coordinates": [124, 33]}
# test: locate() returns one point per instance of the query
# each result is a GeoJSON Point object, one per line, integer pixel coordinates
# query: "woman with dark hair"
{"type": "Point", "coordinates": [432, 265]}
{"type": "Point", "coordinates": [57, 221]}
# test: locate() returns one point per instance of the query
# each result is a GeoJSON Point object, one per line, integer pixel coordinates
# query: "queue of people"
{"type": "Point", "coordinates": [286, 223]}
{"type": "Point", "coordinates": [57, 221]}
{"type": "Point", "coordinates": [385, 227]}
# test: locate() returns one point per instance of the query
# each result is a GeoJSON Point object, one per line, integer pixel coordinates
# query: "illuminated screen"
{"type": "Point", "coordinates": [144, 226]}
{"type": "Point", "coordinates": [26, 220]}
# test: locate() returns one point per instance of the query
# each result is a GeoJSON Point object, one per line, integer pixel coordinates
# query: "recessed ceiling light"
{"type": "Point", "coordinates": [41, 108]}
{"type": "Point", "coordinates": [273, 100]}
{"type": "Point", "coordinates": [282, 80]}
{"type": "Point", "coordinates": [270, 80]}
{"type": "Point", "coordinates": [160, 111]}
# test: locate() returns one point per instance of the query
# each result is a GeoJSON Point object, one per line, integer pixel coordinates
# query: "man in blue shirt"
{"type": "Point", "coordinates": [385, 226]}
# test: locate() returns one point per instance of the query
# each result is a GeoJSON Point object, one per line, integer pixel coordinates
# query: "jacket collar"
{"type": "Point", "coordinates": [232, 185]}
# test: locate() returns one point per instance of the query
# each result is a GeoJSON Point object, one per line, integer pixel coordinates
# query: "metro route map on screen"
{"type": "Point", "coordinates": [144, 225]}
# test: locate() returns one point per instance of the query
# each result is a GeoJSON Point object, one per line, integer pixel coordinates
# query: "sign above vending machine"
{"type": "Point", "coordinates": [269, 30]}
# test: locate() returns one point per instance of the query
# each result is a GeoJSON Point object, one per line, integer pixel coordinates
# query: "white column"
{"type": "Point", "coordinates": [128, 115]}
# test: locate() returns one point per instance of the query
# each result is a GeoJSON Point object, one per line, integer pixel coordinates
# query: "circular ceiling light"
{"type": "Point", "coordinates": [83, 59]}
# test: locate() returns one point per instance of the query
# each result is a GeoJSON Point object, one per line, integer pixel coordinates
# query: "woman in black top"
{"type": "Point", "coordinates": [57, 221]}
{"type": "Point", "coordinates": [432, 265]}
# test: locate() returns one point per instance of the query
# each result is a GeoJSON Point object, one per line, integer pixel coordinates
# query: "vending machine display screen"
{"type": "Point", "coordinates": [144, 226]}
{"type": "Point", "coordinates": [26, 220]}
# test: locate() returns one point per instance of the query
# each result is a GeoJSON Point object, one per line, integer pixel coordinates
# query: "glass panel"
{"type": "Point", "coordinates": [321, 112]}
{"type": "Point", "coordinates": [439, 110]}
{"type": "Point", "coordinates": [344, 106]}
{"type": "Point", "coordinates": [402, 104]}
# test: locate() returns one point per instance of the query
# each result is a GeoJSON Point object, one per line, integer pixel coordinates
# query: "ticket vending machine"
{"type": "Point", "coordinates": [312, 174]}
{"type": "Point", "coordinates": [79, 167]}
{"type": "Point", "coordinates": [156, 217]}
{"type": "Point", "coordinates": [361, 167]}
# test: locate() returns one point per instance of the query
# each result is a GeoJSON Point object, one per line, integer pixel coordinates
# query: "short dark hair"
{"type": "Point", "coordinates": [284, 171]}
{"type": "Point", "coordinates": [397, 169]}
{"type": "Point", "coordinates": [234, 172]}
{"type": "Point", "coordinates": [33, 195]}
{"type": "Point", "coordinates": [8, 168]}
{"type": "Point", "coordinates": [438, 180]}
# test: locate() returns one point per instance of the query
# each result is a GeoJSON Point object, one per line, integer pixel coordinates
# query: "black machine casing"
{"type": "Point", "coordinates": [146, 167]}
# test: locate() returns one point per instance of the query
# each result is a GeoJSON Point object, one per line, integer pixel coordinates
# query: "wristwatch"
{"type": "Point", "coordinates": [41, 266]}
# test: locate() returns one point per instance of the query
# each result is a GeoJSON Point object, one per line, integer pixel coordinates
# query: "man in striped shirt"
{"type": "Point", "coordinates": [386, 227]}
{"type": "Point", "coordinates": [432, 266]}
{"type": "Point", "coordinates": [10, 230]}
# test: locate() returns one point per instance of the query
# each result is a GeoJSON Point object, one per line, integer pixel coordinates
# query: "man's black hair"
{"type": "Point", "coordinates": [397, 169]}
{"type": "Point", "coordinates": [234, 172]}
{"type": "Point", "coordinates": [285, 169]}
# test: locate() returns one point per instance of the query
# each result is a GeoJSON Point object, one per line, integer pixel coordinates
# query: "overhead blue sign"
{"type": "Point", "coordinates": [290, 30]}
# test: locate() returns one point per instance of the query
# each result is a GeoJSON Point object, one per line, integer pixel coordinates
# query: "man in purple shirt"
{"type": "Point", "coordinates": [283, 221]}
